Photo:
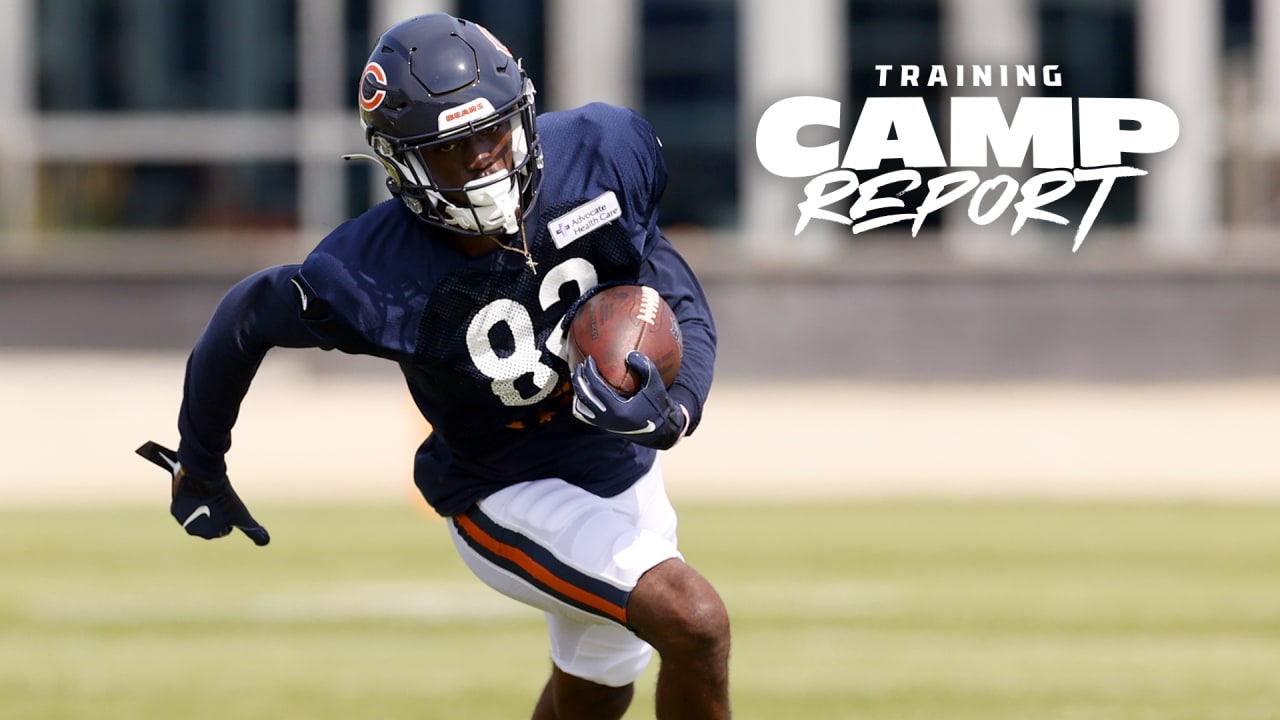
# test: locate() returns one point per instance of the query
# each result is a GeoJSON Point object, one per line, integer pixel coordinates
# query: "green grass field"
{"type": "Point", "coordinates": [883, 611]}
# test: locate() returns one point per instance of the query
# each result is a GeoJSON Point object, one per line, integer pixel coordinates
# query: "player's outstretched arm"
{"type": "Point", "coordinates": [258, 313]}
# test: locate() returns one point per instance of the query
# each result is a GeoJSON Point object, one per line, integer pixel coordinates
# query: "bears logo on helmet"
{"type": "Point", "coordinates": [371, 95]}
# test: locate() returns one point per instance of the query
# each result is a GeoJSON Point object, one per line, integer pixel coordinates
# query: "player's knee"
{"type": "Point", "coordinates": [703, 624]}
{"type": "Point", "coordinates": [677, 611]}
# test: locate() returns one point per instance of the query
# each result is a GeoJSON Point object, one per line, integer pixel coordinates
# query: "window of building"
{"type": "Point", "coordinates": [1095, 46]}
{"type": "Point", "coordinates": [690, 95]}
{"type": "Point", "coordinates": [898, 33]}
{"type": "Point", "coordinates": [166, 55]}
{"type": "Point", "coordinates": [227, 196]}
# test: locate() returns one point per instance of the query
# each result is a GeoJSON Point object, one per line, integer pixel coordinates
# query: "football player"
{"type": "Point", "coordinates": [500, 221]}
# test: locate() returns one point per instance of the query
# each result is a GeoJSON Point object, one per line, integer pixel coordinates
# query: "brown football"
{"type": "Point", "coordinates": [617, 320]}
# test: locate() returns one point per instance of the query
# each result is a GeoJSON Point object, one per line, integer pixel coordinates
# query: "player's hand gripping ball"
{"type": "Point", "coordinates": [619, 320]}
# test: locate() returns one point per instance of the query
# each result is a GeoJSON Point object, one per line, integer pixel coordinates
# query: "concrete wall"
{"type": "Point", "coordinates": [936, 325]}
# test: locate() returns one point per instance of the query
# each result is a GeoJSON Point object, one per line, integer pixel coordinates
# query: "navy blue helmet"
{"type": "Point", "coordinates": [436, 79]}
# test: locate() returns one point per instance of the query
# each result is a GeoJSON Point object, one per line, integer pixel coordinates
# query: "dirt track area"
{"type": "Point", "coordinates": [69, 424]}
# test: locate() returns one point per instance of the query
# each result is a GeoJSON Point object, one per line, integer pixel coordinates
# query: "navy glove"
{"type": "Point", "coordinates": [650, 417]}
{"type": "Point", "coordinates": [204, 508]}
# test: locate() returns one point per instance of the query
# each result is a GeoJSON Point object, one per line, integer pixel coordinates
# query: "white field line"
{"type": "Point", "coordinates": [368, 600]}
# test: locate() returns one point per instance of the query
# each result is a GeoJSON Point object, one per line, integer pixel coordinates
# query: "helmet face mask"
{"type": "Point", "coordinates": [435, 82]}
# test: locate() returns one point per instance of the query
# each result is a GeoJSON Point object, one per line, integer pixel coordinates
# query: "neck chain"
{"type": "Point", "coordinates": [522, 250]}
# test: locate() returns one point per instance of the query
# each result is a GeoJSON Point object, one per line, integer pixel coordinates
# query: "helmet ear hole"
{"type": "Point", "coordinates": [395, 184]}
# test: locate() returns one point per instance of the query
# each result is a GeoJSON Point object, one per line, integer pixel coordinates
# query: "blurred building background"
{"type": "Point", "coordinates": [150, 144]}
{"type": "Point", "coordinates": [154, 151]}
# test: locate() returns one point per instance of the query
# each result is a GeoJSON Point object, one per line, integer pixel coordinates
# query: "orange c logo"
{"type": "Point", "coordinates": [371, 98]}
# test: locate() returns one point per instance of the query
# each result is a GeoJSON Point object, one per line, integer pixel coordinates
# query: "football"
{"type": "Point", "coordinates": [617, 320]}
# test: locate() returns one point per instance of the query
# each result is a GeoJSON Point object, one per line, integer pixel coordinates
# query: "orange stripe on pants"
{"type": "Point", "coordinates": [540, 573]}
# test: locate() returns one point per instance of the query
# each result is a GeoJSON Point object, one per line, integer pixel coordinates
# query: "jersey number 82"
{"type": "Point", "coordinates": [504, 369]}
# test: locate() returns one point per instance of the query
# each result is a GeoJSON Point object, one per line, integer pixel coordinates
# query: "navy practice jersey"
{"type": "Point", "coordinates": [479, 339]}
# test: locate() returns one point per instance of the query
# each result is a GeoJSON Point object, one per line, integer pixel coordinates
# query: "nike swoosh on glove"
{"type": "Point", "coordinates": [211, 508]}
{"type": "Point", "coordinates": [204, 508]}
{"type": "Point", "coordinates": [650, 417]}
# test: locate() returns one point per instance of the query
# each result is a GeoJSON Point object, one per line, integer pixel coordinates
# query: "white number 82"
{"type": "Point", "coordinates": [526, 358]}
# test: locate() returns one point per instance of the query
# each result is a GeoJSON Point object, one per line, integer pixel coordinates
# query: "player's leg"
{"type": "Point", "coordinates": [578, 557]}
{"type": "Point", "coordinates": [681, 615]}
{"type": "Point", "coordinates": [567, 697]}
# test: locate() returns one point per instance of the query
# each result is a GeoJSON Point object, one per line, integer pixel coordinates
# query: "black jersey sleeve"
{"type": "Point", "coordinates": [665, 270]}
{"type": "Point", "coordinates": [260, 312]}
